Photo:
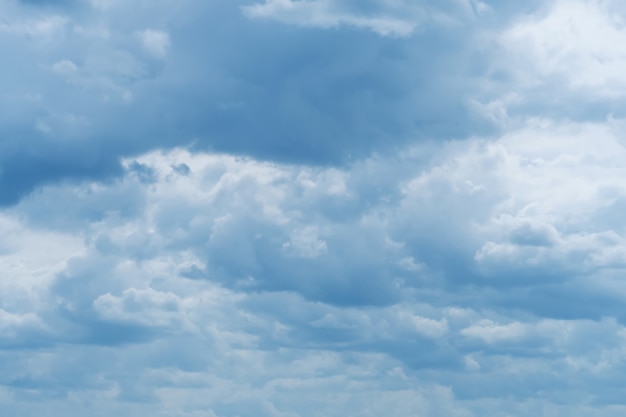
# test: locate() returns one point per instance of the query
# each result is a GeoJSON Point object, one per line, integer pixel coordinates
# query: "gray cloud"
{"type": "Point", "coordinates": [91, 83]}
{"type": "Point", "coordinates": [276, 221]}
{"type": "Point", "coordinates": [473, 272]}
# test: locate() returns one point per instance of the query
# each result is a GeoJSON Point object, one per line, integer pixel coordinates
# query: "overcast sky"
{"type": "Point", "coordinates": [312, 208]}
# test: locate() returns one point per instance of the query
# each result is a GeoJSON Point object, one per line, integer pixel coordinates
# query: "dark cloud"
{"type": "Point", "coordinates": [313, 96]}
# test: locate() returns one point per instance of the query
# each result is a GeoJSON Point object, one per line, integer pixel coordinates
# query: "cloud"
{"type": "Point", "coordinates": [42, 29]}
{"type": "Point", "coordinates": [580, 41]}
{"type": "Point", "coordinates": [122, 308]}
{"type": "Point", "coordinates": [323, 208]}
{"type": "Point", "coordinates": [155, 42]}
{"type": "Point", "coordinates": [324, 97]}
{"type": "Point", "coordinates": [419, 275]}
{"type": "Point", "coordinates": [321, 13]}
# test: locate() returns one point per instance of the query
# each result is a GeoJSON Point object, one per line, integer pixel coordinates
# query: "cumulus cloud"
{"type": "Point", "coordinates": [580, 41]}
{"type": "Point", "coordinates": [254, 261]}
{"type": "Point", "coordinates": [343, 94]}
{"type": "Point", "coordinates": [324, 208]}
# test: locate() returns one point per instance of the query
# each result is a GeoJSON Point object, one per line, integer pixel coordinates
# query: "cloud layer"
{"type": "Point", "coordinates": [220, 271]}
{"type": "Point", "coordinates": [89, 83]}
{"type": "Point", "coordinates": [312, 208]}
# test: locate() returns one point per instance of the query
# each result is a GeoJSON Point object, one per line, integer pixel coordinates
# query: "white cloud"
{"type": "Point", "coordinates": [156, 42]}
{"type": "Point", "coordinates": [64, 67]}
{"type": "Point", "coordinates": [582, 42]}
{"type": "Point", "coordinates": [45, 28]}
{"type": "Point", "coordinates": [411, 282]}
{"type": "Point", "coordinates": [305, 242]}
{"type": "Point", "coordinates": [398, 18]}
{"type": "Point", "coordinates": [493, 333]}
{"type": "Point", "coordinates": [30, 260]}
{"type": "Point", "coordinates": [429, 327]}
{"type": "Point", "coordinates": [325, 14]}
{"type": "Point", "coordinates": [146, 306]}
{"type": "Point", "coordinates": [182, 264]}
{"type": "Point", "coordinates": [11, 323]}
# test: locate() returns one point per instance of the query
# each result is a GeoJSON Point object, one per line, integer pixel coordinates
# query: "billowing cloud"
{"type": "Point", "coordinates": [303, 208]}
{"type": "Point", "coordinates": [580, 41]}
{"type": "Point", "coordinates": [216, 270]}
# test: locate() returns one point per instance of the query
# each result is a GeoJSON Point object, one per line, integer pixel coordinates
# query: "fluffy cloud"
{"type": "Point", "coordinates": [284, 281]}
{"type": "Point", "coordinates": [580, 41]}
{"type": "Point", "coordinates": [323, 208]}
{"type": "Point", "coordinates": [396, 18]}
{"type": "Point", "coordinates": [155, 42]}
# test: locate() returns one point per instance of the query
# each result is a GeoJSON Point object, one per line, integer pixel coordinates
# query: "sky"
{"type": "Point", "coordinates": [312, 208]}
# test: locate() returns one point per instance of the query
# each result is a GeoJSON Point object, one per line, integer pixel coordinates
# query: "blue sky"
{"type": "Point", "coordinates": [302, 208]}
